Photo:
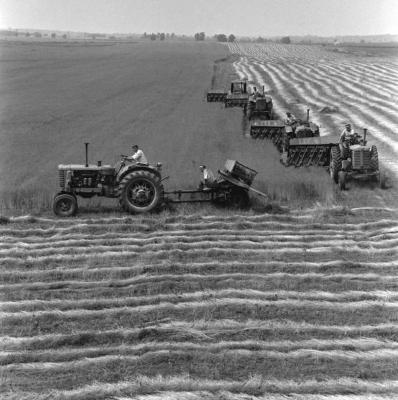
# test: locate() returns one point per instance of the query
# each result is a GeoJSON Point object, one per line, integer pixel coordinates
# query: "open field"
{"type": "Point", "coordinates": [338, 86]}
{"type": "Point", "coordinates": [57, 96]}
{"type": "Point", "coordinates": [200, 307]}
{"type": "Point", "coordinates": [197, 302]}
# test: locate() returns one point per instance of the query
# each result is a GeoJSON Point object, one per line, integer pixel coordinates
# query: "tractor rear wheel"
{"type": "Point", "coordinates": [65, 205]}
{"type": "Point", "coordinates": [239, 198]}
{"type": "Point", "coordinates": [335, 163]}
{"type": "Point", "coordinates": [140, 191]}
{"type": "Point", "coordinates": [374, 158]}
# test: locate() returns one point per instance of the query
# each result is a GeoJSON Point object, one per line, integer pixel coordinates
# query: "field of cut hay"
{"type": "Point", "coordinates": [193, 303]}
{"type": "Point", "coordinates": [56, 96]}
{"type": "Point", "coordinates": [200, 307]}
{"type": "Point", "coordinates": [338, 86]}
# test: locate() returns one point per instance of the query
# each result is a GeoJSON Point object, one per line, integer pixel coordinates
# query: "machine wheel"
{"type": "Point", "coordinates": [65, 205]}
{"type": "Point", "coordinates": [342, 180]}
{"type": "Point", "coordinates": [335, 163]}
{"type": "Point", "coordinates": [140, 191]}
{"type": "Point", "coordinates": [383, 180]}
{"type": "Point", "coordinates": [374, 158]}
{"type": "Point", "coordinates": [239, 198]}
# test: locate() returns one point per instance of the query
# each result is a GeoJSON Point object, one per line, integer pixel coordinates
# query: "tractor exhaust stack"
{"type": "Point", "coordinates": [86, 144]}
{"type": "Point", "coordinates": [308, 115]}
{"type": "Point", "coordinates": [365, 131]}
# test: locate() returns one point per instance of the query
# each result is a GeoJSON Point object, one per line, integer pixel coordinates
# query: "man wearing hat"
{"type": "Point", "coordinates": [344, 137]}
{"type": "Point", "coordinates": [138, 156]}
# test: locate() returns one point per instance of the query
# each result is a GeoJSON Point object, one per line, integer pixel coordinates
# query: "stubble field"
{"type": "Point", "coordinates": [55, 97]}
{"type": "Point", "coordinates": [201, 304]}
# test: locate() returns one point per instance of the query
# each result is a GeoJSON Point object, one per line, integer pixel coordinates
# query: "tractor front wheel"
{"type": "Point", "coordinates": [140, 191]}
{"type": "Point", "coordinates": [342, 179]}
{"type": "Point", "coordinates": [65, 205]}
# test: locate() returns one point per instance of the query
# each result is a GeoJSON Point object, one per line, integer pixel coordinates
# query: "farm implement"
{"type": "Point", "coordinates": [236, 96]}
{"type": "Point", "coordinates": [350, 160]}
{"type": "Point", "coordinates": [139, 188]}
{"type": "Point", "coordinates": [280, 132]}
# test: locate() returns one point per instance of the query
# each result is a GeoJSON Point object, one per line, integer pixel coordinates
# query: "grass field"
{"type": "Point", "coordinates": [55, 97]}
{"type": "Point", "coordinates": [223, 306]}
{"type": "Point", "coordinates": [195, 302]}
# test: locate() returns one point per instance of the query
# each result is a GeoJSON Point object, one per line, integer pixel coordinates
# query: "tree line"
{"type": "Point", "coordinates": [220, 37]}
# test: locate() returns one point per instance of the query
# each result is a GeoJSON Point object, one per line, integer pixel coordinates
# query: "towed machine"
{"type": "Point", "coordinates": [355, 159]}
{"type": "Point", "coordinates": [139, 187]}
{"type": "Point", "coordinates": [280, 132]}
{"type": "Point", "coordinates": [236, 96]}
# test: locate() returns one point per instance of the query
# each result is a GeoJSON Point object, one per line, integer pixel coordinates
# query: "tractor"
{"type": "Point", "coordinates": [137, 186]}
{"type": "Point", "coordinates": [281, 132]}
{"type": "Point", "coordinates": [354, 159]}
{"type": "Point", "coordinates": [237, 95]}
{"type": "Point", "coordinates": [259, 108]}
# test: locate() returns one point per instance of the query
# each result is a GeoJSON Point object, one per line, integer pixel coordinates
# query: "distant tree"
{"type": "Point", "coordinates": [53, 35]}
{"type": "Point", "coordinates": [162, 36]}
{"type": "Point", "coordinates": [37, 35]}
{"type": "Point", "coordinates": [153, 36]}
{"type": "Point", "coordinates": [145, 35]}
{"type": "Point", "coordinates": [231, 38]}
{"type": "Point", "coordinates": [286, 40]}
{"type": "Point", "coordinates": [27, 34]}
{"type": "Point", "coordinates": [221, 37]}
{"type": "Point", "coordinates": [64, 36]}
{"type": "Point", "coordinates": [200, 36]}
{"type": "Point", "coordinates": [173, 35]}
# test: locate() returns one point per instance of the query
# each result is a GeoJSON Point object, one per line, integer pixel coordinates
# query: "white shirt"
{"type": "Point", "coordinates": [139, 157]}
{"type": "Point", "coordinates": [208, 176]}
{"type": "Point", "coordinates": [291, 120]}
{"type": "Point", "coordinates": [346, 133]}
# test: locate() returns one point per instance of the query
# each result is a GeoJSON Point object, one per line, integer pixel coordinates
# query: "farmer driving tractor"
{"type": "Point", "coordinates": [347, 138]}
{"type": "Point", "coordinates": [138, 156]}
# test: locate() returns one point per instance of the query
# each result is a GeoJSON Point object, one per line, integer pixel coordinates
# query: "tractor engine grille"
{"type": "Point", "coordinates": [361, 159]}
{"type": "Point", "coordinates": [62, 179]}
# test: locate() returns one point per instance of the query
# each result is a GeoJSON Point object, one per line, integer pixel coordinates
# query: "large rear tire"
{"type": "Point", "coordinates": [65, 205]}
{"type": "Point", "coordinates": [140, 191]}
{"type": "Point", "coordinates": [335, 163]}
{"type": "Point", "coordinates": [374, 158]}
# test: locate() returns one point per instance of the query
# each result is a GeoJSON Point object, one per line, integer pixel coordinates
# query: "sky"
{"type": "Point", "coordinates": [240, 17]}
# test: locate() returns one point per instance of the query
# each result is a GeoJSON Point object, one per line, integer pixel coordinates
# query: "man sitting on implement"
{"type": "Point", "coordinates": [209, 180]}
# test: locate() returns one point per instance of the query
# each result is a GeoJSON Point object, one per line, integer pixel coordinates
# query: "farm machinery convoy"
{"type": "Point", "coordinates": [299, 141]}
{"type": "Point", "coordinates": [139, 187]}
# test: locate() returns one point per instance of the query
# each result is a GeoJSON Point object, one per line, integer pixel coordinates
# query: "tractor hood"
{"type": "Point", "coordinates": [82, 167]}
{"type": "Point", "coordinates": [356, 147]}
